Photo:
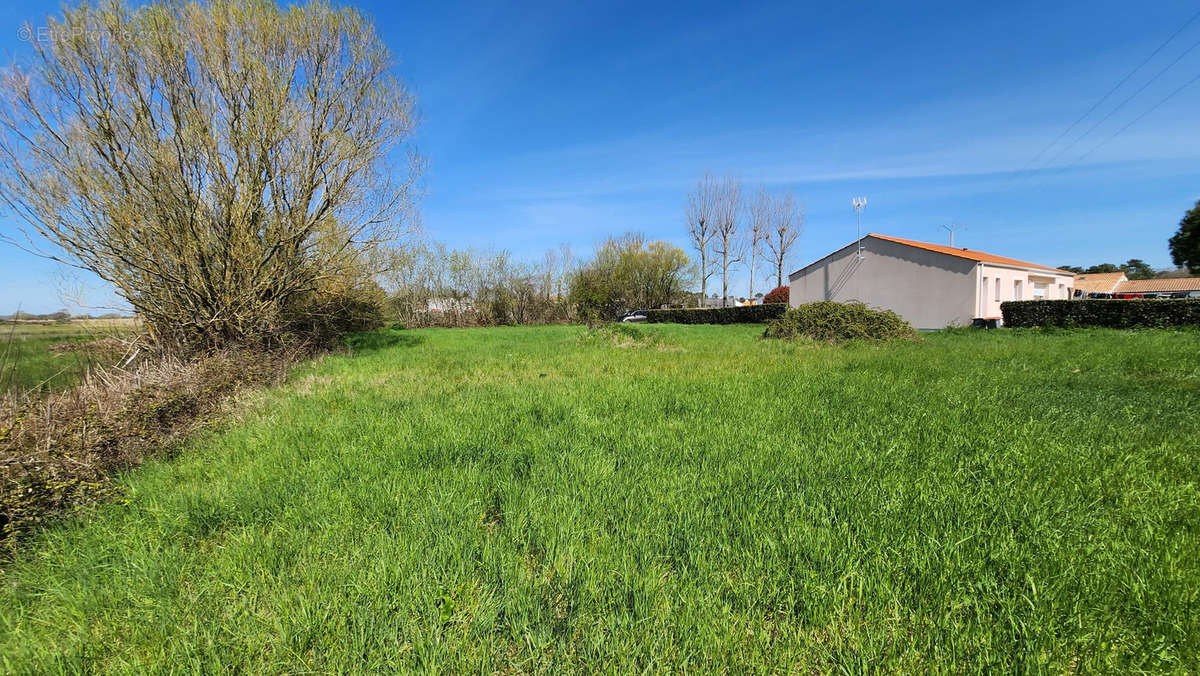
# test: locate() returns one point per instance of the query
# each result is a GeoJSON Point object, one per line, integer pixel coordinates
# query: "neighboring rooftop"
{"type": "Point", "coordinates": [970, 254]}
{"type": "Point", "coordinates": [1098, 282]}
{"type": "Point", "coordinates": [1159, 285]}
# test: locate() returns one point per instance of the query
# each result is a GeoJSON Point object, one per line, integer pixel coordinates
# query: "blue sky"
{"type": "Point", "coordinates": [567, 122]}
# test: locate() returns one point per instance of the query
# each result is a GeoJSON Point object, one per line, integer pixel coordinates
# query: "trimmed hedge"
{"type": "Point", "coordinates": [1109, 313]}
{"type": "Point", "coordinates": [745, 314]}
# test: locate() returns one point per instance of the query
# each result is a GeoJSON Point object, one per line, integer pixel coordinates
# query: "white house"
{"type": "Point", "coordinates": [930, 285]}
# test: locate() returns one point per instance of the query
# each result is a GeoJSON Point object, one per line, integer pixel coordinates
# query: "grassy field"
{"type": "Point", "coordinates": [28, 362]}
{"type": "Point", "coordinates": [538, 499]}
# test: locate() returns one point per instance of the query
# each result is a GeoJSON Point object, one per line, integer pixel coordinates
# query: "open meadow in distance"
{"type": "Point", "coordinates": [667, 498]}
{"type": "Point", "coordinates": [48, 356]}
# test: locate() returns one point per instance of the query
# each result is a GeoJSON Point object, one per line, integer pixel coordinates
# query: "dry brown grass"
{"type": "Point", "coordinates": [58, 452]}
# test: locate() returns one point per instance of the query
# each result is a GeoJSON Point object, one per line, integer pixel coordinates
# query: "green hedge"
{"type": "Point", "coordinates": [1116, 314]}
{"type": "Point", "coordinates": [746, 314]}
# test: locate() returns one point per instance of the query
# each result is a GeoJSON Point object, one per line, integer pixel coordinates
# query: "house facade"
{"type": "Point", "coordinates": [929, 285]}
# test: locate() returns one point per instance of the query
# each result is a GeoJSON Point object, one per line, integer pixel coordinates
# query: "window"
{"type": "Point", "coordinates": [1016, 289]}
{"type": "Point", "coordinates": [997, 289]}
{"type": "Point", "coordinates": [1062, 291]}
{"type": "Point", "coordinates": [983, 289]}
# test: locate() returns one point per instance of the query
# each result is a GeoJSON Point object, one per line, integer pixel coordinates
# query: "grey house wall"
{"type": "Point", "coordinates": [929, 289]}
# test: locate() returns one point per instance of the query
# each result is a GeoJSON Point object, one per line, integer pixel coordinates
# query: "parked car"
{"type": "Point", "coordinates": [634, 316]}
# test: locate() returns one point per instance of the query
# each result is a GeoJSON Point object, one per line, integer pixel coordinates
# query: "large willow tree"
{"type": "Point", "coordinates": [214, 161]}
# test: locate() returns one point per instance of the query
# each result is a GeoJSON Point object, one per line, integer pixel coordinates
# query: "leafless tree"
{"type": "Point", "coordinates": [727, 242]}
{"type": "Point", "coordinates": [700, 215]}
{"type": "Point", "coordinates": [216, 162]}
{"type": "Point", "coordinates": [786, 223]}
{"type": "Point", "coordinates": [556, 269]}
{"type": "Point", "coordinates": [760, 209]}
{"type": "Point", "coordinates": [566, 262]}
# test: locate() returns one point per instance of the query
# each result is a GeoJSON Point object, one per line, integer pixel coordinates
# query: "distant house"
{"type": "Point", "coordinates": [715, 301]}
{"type": "Point", "coordinates": [447, 304]}
{"type": "Point", "coordinates": [930, 285]}
{"type": "Point", "coordinates": [1102, 284]}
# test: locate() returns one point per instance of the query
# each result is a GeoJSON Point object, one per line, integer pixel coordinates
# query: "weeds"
{"type": "Point", "coordinates": [624, 334]}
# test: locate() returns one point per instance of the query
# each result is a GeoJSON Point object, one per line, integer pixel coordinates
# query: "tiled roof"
{"type": "Point", "coordinates": [969, 254]}
{"type": "Point", "coordinates": [1159, 285]}
{"type": "Point", "coordinates": [1098, 282]}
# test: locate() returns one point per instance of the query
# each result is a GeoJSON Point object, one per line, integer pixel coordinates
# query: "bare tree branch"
{"type": "Point", "coordinates": [786, 223]}
{"type": "Point", "coordinates": [700, 217]}
{"type": "Point", "coordinates": [727, 242]}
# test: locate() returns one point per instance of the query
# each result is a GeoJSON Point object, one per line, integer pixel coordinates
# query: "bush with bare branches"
{"type": "Point", "coordinates": [217, 162]}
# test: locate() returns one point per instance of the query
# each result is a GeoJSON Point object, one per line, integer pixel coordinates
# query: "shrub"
{"type": "Point", "coordinates": [745, 314]}
{"type": "Point", "coordinates": [628, 273]}
{"type": "Point", "coordinates": [323, 318]}
{"type": "Point", "coordinates": [1110, 313]}
{"type": "Point", "coordinates": [830, 321]}
{"type": "Point", "coordinates": [780, 294]}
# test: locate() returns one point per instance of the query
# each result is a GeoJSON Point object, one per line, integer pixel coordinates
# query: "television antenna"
{"type": "Point", "coordinates": [952, 228]}
{"type": "Point", "coordinates": [859, 203]}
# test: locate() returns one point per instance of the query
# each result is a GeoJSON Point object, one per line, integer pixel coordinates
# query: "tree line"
{"type": "Point", "coordinates": [1134, 268]}
{"type": "Point", "coordinates": [727, 226]}
{"type": "Point", "coordinates": [430, 284]}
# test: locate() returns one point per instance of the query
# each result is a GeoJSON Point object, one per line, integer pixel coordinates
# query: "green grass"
{"type": "Point", "coordinates": [537, 499]}
{"type": "Point", "coordinates": [29, 366]}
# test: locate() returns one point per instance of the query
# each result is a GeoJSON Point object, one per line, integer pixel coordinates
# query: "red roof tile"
{"type": "Point", "coordinates": [1098, 282]}
{"type": "Point", "coordinates": [1160, 285]}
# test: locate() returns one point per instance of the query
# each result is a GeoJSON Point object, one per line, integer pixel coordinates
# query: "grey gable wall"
{"type": "Point", "coordinates": [929, 289]}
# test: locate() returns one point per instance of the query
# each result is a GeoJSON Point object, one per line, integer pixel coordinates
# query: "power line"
{"type": "Point", "coordinates": [1132, 122]}
{"type": "Point", "coordinates": [1119, 106]}
{"type": "Point", "coordinates": [1109, 93]}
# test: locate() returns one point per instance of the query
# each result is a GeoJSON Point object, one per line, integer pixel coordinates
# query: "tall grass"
{"type": "Point", "coordinates": [521, 499]}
